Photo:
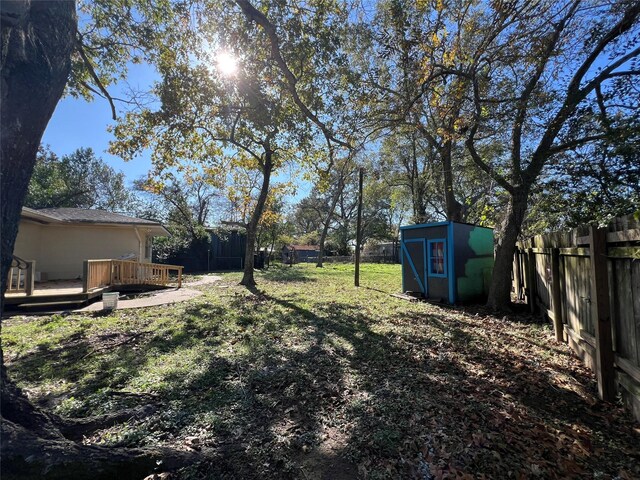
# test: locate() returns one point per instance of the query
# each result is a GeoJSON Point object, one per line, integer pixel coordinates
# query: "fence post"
{"type": "Point", "coordinates": [516, 273]}
{"type": "Point", "coordinates": [356, 280]}
{"type": "Point", "coordinates": [30, 277]}
{"type": "Point", "coordinates": [602, 313]}
{"type": "Point", "coordinates": [556, 297]}
{"type": "Point", "coordinates": [85, 276]}
{"type": "Point", "coordinates": [531, 283]}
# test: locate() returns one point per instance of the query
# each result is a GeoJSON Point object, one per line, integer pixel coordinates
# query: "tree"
{"type": "Point", "coordinates": [323, 86]}
{"type": "Point", "coordinates": [79, 180]}
{"type": "Point", "coordinates": [383, 210]}
{"type": "Point", "coordinates": [184, 204]}
{"type": "Point", "coordinates": [266, 113]}
{"type": "Point", "coordinates": [309, 214]}
{"type": "Point", "coordinates": [417, 107]}
{"type": "Point", "coordinates": [34, 74]}
{"type": "Point", "coordinates": [338, 179]}
{"type": "Point", "coordinates": [38, 41]}
{"type": "Point", "coordinates": [408, 162]}
{"type": "Point", "coordinates": [187, 201]}
{"type": "Point", "coordinates": [552, 72]}
{"type": "Point", "coordinates": [273, 227]}
{"type": "Point", "coordinates": [202, 112]}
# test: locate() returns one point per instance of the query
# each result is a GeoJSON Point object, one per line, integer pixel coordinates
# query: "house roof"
{"type": "Point", "coordinates": [314, 248]}
{"type": "Point", "coordinates": [90, 216]}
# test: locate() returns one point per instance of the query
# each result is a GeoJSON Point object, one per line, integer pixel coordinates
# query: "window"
{"type": "Point", "coordinates": [437, 262]}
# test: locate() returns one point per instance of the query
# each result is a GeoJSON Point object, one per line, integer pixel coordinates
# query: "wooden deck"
{"type": "Point", "coordinates": [99, 276]}
{"type": "Point", "coordinates": [68, 292]}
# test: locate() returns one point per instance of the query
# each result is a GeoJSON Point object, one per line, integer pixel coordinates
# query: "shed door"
{"type": "Point", "coordinates": [414, 251]}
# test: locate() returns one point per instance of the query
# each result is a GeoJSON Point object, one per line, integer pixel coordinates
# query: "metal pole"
{"type": "Point", "coordinates": [358, 228]}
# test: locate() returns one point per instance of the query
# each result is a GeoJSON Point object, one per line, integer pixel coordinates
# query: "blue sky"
{"type": "Point", "coordinates": [77, 123]}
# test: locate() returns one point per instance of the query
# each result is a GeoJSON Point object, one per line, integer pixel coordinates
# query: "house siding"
{"type": "Point", "coordinates": [59, 251]}
{"type": "Point", "coordinates": [28, 242]}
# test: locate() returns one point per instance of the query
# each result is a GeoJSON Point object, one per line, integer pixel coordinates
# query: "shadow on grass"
{"type": "Point", "coordinates": [262, 390]}
{"type": "Point", "coordinates": [282, 273]}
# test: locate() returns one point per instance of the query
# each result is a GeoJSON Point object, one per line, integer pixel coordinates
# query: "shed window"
{"type": "Point", "coordinates": [437, 265]}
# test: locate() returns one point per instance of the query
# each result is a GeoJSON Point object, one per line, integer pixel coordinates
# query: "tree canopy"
{"type": "Point", "coordinates": [79, 180]}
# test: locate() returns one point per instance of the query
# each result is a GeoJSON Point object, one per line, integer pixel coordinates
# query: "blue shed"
{"type": "Point", "coordinates": [447, 261]}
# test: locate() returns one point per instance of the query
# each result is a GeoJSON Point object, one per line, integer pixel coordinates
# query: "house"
{"type": "Point", "coordinates": [223, 250]}
{"type": "Point", "coordinates": [386, 250]}
{"type": "Point", "coordinates": [227, 248]}
{"type": "Point", "coordinates": [299, 253]}
{"type": "Point", "coordinates": [447, 261]}
{"type": "Point", "coordinates": [59, 240]}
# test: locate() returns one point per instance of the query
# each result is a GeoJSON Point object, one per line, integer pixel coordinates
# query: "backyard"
{"type": "Point", "coordinates": [308, 377]}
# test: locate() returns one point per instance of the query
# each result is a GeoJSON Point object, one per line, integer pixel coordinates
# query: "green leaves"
{"type": "Point", "coordinates": [79, 180]}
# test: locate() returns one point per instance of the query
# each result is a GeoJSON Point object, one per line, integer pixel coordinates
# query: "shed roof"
{"type": "Point", "coordinates": [439, 224]}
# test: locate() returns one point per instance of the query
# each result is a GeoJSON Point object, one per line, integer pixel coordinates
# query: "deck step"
{"type": "Point", "coordinates": [68, 303]}
{"type": "Point", "coordinates": [77, 297]}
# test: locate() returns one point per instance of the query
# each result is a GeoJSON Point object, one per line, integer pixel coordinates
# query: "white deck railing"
{"type": "Point", "coordinates": [21, 276]}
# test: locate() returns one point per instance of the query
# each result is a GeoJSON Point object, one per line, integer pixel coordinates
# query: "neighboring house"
{"type": "Point", "coordinates": [299, 253]}
{"type": "Point", "coordinates": [386, 249]}
{"type": "Point", "coordinates": [60, 239]}
{"type": "Point", "coordinates": [227, 248]}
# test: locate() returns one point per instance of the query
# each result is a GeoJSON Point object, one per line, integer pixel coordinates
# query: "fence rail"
{"type": "Point", "coordinates": [109, 272]}
{"type": "Point", "coordinates": [587, 282]}
{"type": "Point", "coordinates": [349, 259]}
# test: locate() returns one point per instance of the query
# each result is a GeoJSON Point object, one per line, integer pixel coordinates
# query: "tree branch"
{"type": "Point", "coordinates": [523, 103]}
{"type": "Point", "coordinates": [470, 144]}
{"type": "Point", "coordinates": [94, 75]}
{"type": "Point", "coordinates": [618, 29]}
{"type": "Point", "coordinates": [254, 15]}
{"type": "Point", "coordinates": [575, 94]}
{"type": "Point", "coordinates": [577, 143]}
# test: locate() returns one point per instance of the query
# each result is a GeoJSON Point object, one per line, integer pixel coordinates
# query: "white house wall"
{"type": "Point", "coordinates": [62, 249]}
{"type": "Point", "coordinates": [28, 241]}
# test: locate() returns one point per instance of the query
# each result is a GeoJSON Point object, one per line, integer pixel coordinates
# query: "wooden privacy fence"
{"type": "Point", "coordinates": [587, 282]}
{"type": "Point", "coordinates": [104, 273]}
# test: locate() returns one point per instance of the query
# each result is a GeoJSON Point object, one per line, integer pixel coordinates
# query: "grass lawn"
{"type": "Point", "coordinates": [308, 377]}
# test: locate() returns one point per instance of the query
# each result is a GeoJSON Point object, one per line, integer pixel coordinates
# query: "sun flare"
{"type": "Point", "coordinates": [227, 64]}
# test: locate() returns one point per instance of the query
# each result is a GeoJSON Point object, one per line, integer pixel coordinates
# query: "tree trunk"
{"type": "Point", "coordinates": [500, 289]}
{"type": "Point", "coordinates": [37, 42]}
{"type": "Point", "coordinates": [252, 227]}
{"type": "Point", "coordinates": [327, 223]}
{"type": "Point", "coordinates": [452, 206]}
{"type": "Point", "coordinates": [28, 456]}
{"type": "Point", "coordinates": [417, 186]}
{"type": "Point", "coordinates": [419, 207]}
